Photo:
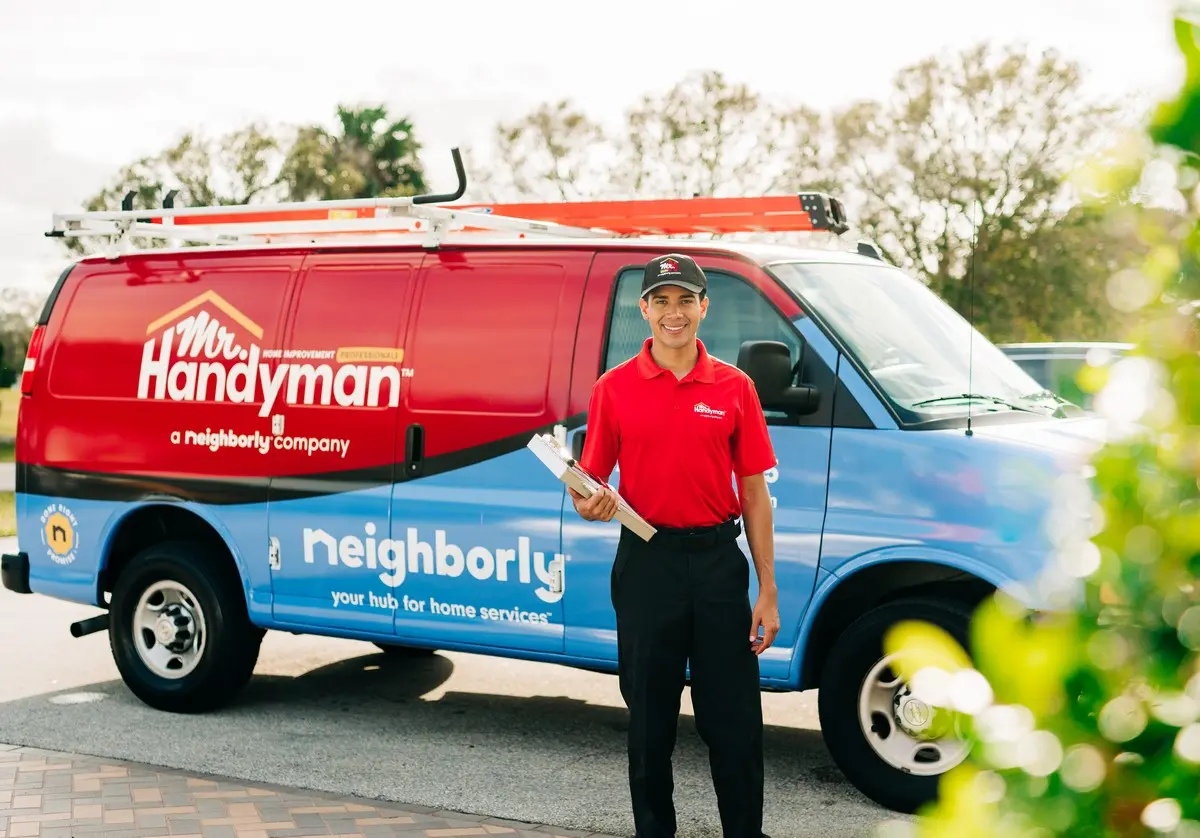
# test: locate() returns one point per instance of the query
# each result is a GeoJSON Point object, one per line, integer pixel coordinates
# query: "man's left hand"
{"type": "Point", "coordinates": [766, 615]}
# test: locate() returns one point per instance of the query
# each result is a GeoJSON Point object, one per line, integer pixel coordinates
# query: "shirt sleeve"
{"type": "Point", "coordinates": [752, 449]}
{"type": "Point", "coordinates": [603, 438]}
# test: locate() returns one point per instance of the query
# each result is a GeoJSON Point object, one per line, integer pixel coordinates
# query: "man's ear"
{"type": "Point", "coordinates": [703, 307]}
{"type": "Point", "coordinates": [644, 306]}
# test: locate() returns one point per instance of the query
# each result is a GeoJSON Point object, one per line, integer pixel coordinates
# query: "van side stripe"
{"type": "Point", "coordinates": [128, 487]}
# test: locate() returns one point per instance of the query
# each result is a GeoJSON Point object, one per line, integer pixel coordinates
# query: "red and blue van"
{"type": "Point", "coordinates": [313, 419]}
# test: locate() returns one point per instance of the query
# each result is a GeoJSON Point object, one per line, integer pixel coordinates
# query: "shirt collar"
{"type": "Point", "coordinates": [702, 372]}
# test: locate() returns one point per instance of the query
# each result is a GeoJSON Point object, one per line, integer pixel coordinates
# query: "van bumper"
{"type": "Point", "coordinates": [14, 572]}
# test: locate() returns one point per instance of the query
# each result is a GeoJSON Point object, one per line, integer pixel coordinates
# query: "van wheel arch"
{"type": "Point", "coordinates": [153, 524]}
{"type": "Point", "coordinates": [877, 585]}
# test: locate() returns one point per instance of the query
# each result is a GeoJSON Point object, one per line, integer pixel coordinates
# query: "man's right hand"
{"type": "Point", "coordinates": [601, 506]}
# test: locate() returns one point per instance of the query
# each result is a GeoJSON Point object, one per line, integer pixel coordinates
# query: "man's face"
{"type": "Point", "coordinates": [674, 314]}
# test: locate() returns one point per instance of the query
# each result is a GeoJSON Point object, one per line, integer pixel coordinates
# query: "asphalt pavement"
{"type": "Point", "coordinates": [493, 737]}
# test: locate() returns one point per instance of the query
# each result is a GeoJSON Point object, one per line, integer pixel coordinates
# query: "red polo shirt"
{"type": "Point", "coordinates": [679, 442]}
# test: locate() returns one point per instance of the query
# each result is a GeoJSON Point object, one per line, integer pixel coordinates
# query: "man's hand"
{"type": "Point", "coordinates": [601, 506]}
{"type": "Point", "coordinates": [766, 615]}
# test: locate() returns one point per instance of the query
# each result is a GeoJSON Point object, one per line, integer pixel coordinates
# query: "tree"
{"type": "Point", "coordinates": [18, 310]}
{"type": "Point", "coordinates": [703, 136]}
{"type": "Point", "coordinates": [235, 168]}
{"type": "Point", "coordinates": [967, 162]}
{"type": "Point", "coordinates": [1095, 725]}
{"type": "Point", "coordinates": [708, 136]}
{"type": "Point", "coordinates": [553, 153]}
{"type": "Point", "coordinates": [962, 168]}
{"type": "Point", "coordinates": [368, 157]}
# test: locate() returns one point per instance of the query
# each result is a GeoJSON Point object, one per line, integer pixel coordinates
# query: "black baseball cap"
{"type": "Point", "coordinates": [674, 269]}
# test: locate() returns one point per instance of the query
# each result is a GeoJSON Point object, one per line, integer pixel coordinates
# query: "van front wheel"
{"type": "Point", "coordinates": [179, 631]}
{"type": "Point", "coordinates": [889, 744]}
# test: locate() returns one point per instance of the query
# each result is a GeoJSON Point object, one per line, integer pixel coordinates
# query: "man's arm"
{"type": "Point", "coordinates": [760, 528]}
{"type": "Point", "coordinates": [600, 446]}
{"type": "Point", "coordinates": [753, 454]}
{"type": "Point", "coordinates": [599, 456]}
{"type": "Point", "coordinates": [760, 533]}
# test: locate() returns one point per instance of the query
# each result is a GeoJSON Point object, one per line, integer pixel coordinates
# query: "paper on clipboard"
{"type": "Point", "coordinates": [563, 466]}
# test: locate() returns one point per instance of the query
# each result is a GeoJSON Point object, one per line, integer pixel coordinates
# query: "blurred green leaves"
{"type": "Point", "coordinates": [1177, 122]}
{"type": "Point", "coordinates": [1095, 725]}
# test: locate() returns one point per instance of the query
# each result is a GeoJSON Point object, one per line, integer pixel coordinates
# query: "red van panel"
{"type": "Point", "coordinates": [144, 352]}
{"type": "Point", "coordinates": [490, 347]}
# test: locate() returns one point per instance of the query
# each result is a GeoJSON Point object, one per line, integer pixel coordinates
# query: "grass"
{"type": "Point", "coordinates": [8, 514]}
{"type": "Point", "coordinates": [10, 402]}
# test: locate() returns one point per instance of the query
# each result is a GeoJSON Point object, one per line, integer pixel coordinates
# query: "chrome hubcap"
{"type": "Point", "coordinates": [908, 733]}
{"type": "Point", "coordinates": [169, 629]}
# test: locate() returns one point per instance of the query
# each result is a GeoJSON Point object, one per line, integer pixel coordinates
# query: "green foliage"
{"type": "Point", "coordinates": [370, 155]}
{"type": "Point", "coordinates": [966, 158]}
{"type": "Point", "coordinates": [705, 135]}
{"type": "Point", "coordinates": [18, 308]}
{"type": "Point", "coordinates": [1094, 727]}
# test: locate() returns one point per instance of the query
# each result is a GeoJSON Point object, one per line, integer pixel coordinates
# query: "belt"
{"type": "Point", "coordinates": [698, 538]}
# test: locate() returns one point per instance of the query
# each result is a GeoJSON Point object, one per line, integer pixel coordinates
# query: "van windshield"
{"type": "Point", "coordinates": [915, 346]}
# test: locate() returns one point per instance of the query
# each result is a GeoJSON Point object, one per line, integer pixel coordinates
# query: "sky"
{"type": "Point", "coordinates": [86, 87]}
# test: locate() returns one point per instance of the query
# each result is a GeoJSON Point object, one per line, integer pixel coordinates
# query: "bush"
{"type": "Point", "coordinates": [1094, 724]}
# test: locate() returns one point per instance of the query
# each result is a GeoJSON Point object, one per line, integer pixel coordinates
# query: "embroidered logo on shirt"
{"type": "Point", "coordinates": [705, 410]}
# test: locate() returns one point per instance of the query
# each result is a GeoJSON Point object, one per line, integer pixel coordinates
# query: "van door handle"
{"type": "Point", "coordinates": [577, 445]}
{"type": "Point", "coordinates": [414, 450]}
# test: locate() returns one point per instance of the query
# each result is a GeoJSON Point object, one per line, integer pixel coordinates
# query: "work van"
{"type": "Point", "coordinates": [313, 418]}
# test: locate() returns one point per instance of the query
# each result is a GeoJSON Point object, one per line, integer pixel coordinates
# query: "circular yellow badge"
{"type": "Point", "coordinates": [60, 534]}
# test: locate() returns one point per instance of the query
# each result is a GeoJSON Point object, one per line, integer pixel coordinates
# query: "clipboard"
{"type": "Point", "coordinates": [563, 466]}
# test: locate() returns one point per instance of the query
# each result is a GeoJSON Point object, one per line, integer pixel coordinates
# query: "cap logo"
{"type": "Point", "coordinates": [668, 266]}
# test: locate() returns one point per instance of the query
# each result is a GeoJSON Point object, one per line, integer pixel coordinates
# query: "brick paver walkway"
{"type": "Point", "coordinates": [45, 794]}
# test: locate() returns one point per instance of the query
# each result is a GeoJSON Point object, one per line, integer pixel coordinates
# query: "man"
{"type": "Point", "coordinates": [682, 425]}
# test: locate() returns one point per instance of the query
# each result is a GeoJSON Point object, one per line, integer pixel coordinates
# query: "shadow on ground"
{"type": "Point", "coordinates": [367, 725]}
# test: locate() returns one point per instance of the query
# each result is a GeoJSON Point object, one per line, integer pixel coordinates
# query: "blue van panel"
{"type": "Point", "coordinates": [466, 556]}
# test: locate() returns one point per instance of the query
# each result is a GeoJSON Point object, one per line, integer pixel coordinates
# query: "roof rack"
{"type": "Point", "coordinates": [426, 217]}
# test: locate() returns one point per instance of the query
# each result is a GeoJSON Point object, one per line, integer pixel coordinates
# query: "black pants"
{"type": "Point", "coordinates": [683, 600]}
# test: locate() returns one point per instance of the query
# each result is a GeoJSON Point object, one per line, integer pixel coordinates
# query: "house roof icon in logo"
{"type": "Point", "coordinates": [217, 300]}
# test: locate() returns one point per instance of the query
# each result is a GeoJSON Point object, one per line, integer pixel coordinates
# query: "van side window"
{"type": "Point", "coordinates": [736, 313]}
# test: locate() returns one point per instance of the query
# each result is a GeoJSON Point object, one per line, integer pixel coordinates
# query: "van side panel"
{"type": "Point", "coordinates": [479, 516]}
{"type": "Point", "coordinates": [335, 438]}
{"type": "Point", "coordinates": [146, 361]}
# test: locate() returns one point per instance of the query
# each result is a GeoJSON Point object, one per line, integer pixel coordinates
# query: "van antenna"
{"type": "Point", "coordinates": [971, 312]}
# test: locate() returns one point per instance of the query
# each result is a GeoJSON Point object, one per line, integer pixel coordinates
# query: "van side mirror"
{"type": "Point", "coordinates": [769, 365]}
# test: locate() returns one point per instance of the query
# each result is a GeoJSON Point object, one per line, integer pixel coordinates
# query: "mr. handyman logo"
{"type": "Point", "coordinates": [668, 266]}
{"type": "Point", "coordinates": [215, 362]}
{"type": "Point", "coordinates": [705, 410]}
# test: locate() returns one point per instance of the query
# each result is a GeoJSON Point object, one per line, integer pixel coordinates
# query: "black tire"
{"type": "Point", "coordinates": [231, 641]}
{"type": "Point", "coordinates": [850, 660]}
{"type": "Point", "coordinates": [393, 650]}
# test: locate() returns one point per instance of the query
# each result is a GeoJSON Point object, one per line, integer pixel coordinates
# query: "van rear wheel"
{"type": "Point", "coordinates": [889, 744]}
{"type": "Point", "coordinates": [179, 631]}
